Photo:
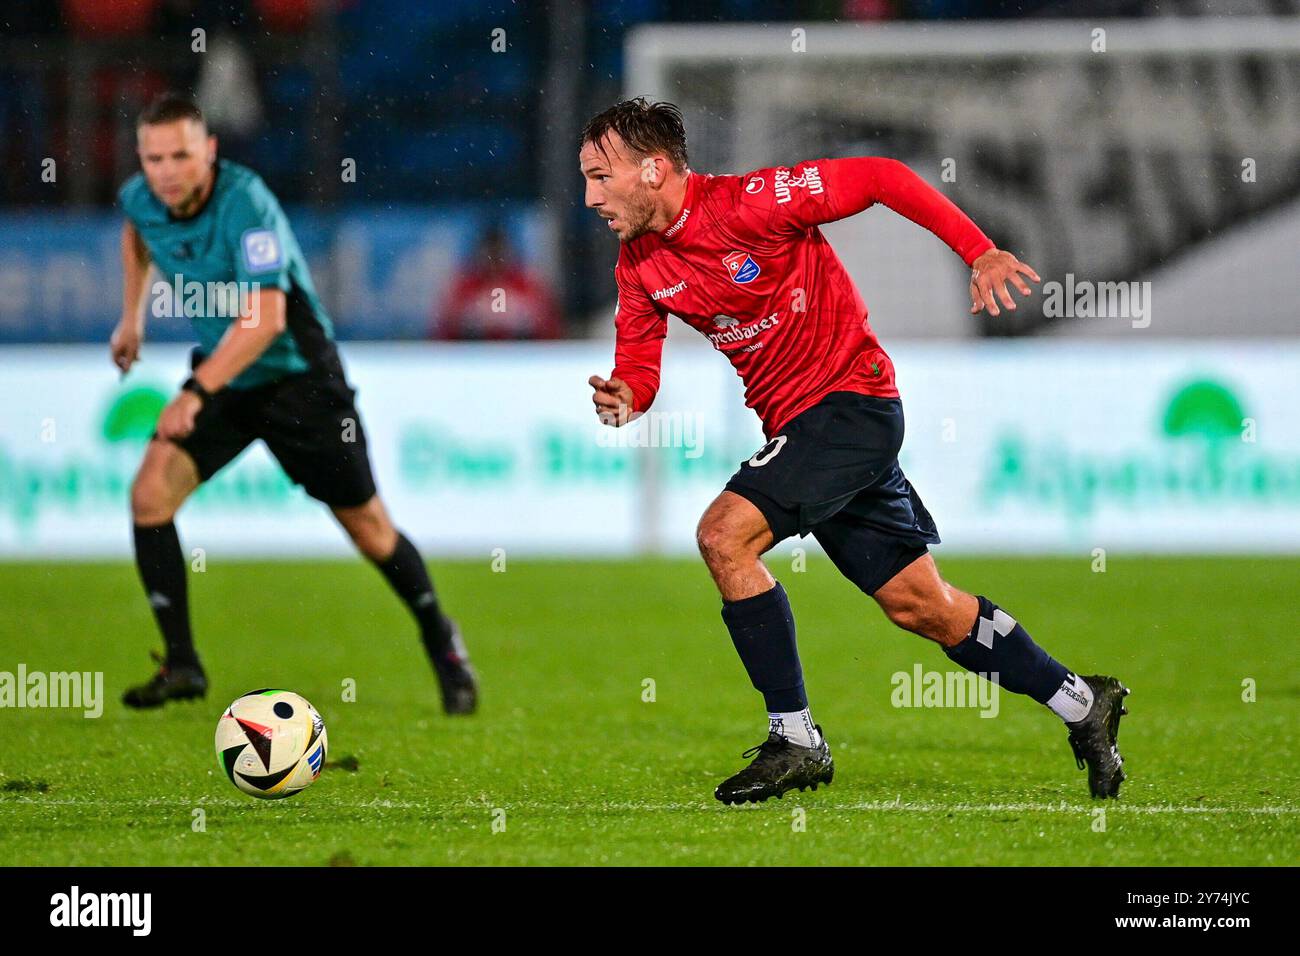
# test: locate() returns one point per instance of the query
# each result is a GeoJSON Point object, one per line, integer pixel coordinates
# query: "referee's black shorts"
{"type": "Point", "coordinates": [308, 420]}
{"type": "Point", "coordinates": [833, 471]}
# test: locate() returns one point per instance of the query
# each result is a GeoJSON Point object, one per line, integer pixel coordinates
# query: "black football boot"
{"type": "Point", "coordinates": [778, 766]}
{"type": "Point", "coordinates": [456, 678]}
{"type": "Point", "coordinates": [172, 682]}
{"type": "Point", "coordinates": [1093, 738]}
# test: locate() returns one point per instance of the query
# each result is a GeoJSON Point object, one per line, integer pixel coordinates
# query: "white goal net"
{"type": "Point", "coordinates": [1111, 151]}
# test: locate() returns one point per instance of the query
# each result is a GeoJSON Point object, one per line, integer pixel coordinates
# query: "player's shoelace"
{"type": "Point", "coordinates": [1078, 753]}
{"type": "Point", "coordinates": [771, 745]}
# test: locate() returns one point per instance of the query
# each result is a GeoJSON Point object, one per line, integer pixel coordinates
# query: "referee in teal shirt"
{"type": "Point", "coordinates": [266, 367]}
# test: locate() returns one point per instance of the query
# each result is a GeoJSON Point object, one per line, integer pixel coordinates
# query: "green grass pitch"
{"type": "Point", "coordinates": [573, 766]}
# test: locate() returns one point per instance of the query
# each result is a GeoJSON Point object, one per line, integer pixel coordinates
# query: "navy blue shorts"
{"type": "Point", "coordinates": [833, 472]}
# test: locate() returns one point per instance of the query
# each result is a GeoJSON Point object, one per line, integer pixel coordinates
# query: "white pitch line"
{"type": "Point", "coordinates": [898, 806]}
{"type": "Point", "coordinates": [870, 806]}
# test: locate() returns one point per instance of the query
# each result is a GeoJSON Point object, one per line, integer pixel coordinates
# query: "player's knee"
{"type": "Point", "coordinates": [151, 501]}
{"type": "Point", "coordinates": [370, 531]}
{"type": "Point", "coordinates": [376, 544]}
{"type": "Point", "coordinates": [717, 540]}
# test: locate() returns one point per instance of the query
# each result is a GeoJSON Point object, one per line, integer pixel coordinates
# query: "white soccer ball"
{"type": "Point", "coordinates": [271, 743]}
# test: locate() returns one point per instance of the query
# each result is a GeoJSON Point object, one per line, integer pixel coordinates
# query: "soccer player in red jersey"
{"type": "Point", "coordinates": [742, 260]}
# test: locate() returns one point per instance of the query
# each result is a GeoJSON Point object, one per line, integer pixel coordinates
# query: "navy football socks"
{"type": "Point", "coordinates": [762, 628]}
{"type": "Point", "coordinates": [997, 644]}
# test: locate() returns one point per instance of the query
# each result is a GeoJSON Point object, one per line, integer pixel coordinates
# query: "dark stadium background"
{"type": "Point", "coordinates": [1127, 480]}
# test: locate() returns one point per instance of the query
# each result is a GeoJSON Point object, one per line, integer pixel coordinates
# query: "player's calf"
{"type": "Point", "coordinates": [370, 529]}
{"type": "Point", "coordinates": [166, 477]}
{"type": "Point", "coordinates": [917, 599]}
{"type": "Point", "coordinates": [944, 620]}
{"type": "Point", "coordinates": [404, 570]}
{"type": "Point", "coordinates": [732, 536]}
{"type": "Point", "coordinates": [997, 647]}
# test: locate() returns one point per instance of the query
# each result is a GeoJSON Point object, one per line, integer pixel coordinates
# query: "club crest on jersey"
{"type": "Point", "coordinates": [741, 266]}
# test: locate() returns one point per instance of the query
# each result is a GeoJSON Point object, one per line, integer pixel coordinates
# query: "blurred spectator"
{"type": "Point", "coordinates": [110, 17]}
{"type": "Point", "coordinates": [495, 296]}
{"type": "Point", "coordinates": [870, 9]}
{"type": "Point", "coordinates": [290, 16]}
{"type": "Point", "coordinates": [227, 87]}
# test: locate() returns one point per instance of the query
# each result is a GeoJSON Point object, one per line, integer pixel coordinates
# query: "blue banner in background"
{"type": "Point", "coordinates": [382, 271]}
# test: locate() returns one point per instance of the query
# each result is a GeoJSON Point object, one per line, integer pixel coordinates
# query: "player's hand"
{"type": "Point", "coordinates": [613, 400]}
{"type": "Point", "coordinates": [989, 276]}
{"type": "Point", "coordinates": [177, 419]}
{"type": "Point", "coordinates": [124, 346]}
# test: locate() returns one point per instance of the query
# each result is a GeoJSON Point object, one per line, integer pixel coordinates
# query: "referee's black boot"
{"type": "Point", "coordinates": [172, 682]}
{"type": "Point", "coordinates": [456, 678]}
{"type": "Point", "coordinates": [1093, 738]}
{"type": "Point", "coordinates": [778, 766]}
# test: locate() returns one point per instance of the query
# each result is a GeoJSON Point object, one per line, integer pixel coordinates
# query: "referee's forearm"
{"type": "Point", "coordinates": [241, 346]}
{"type": "Point", "coordinates": [135, 270]}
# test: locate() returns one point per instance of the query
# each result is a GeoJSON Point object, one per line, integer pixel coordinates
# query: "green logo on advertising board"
{"type": "Point", "coordinates": [51, 476]}
{"type": "Point", "coordinates": [432, 458]}
{"type": "Point", "coordinates": [1205, 409]}
{"type": "Point", "coordinates": [1205, 457]}
{"type": "Point", "coordinates": [133, 414]}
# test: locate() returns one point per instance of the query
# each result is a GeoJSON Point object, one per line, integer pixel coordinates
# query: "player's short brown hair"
{"type": "Point", "coordinates": [169, 107]}
{"type": "Point", "coordinates": [644, 126]}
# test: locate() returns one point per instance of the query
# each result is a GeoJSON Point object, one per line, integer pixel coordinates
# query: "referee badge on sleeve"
{"type": "Point", "coordinates": [261, 249]}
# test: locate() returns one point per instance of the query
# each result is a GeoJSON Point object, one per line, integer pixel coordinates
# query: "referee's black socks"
{"type": "Point", "coordinates": [162, 572]}
{"type": "Point", "coordinates": [405, 571]}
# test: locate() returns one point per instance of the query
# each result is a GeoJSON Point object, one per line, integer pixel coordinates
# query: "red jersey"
{"type": "Point", "coordinates": [745, 264]}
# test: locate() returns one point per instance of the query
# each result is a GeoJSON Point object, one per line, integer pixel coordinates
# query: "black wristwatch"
{"type": "Point", "coordinates": [192, 385]}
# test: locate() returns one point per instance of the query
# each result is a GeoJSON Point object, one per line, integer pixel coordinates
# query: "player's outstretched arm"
{"type": "Point", "coordinates": [989, 276]}
{"type": "Point", "coordinates": [124, 346]}
{"type": "Point", "coordinates": [853, 184]}
{"type": "Point", "coordinates": [262, 319]}
{"type": "Point", "coordinates": [613, 400]}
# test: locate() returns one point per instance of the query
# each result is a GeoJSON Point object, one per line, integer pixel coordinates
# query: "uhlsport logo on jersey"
{"type": "Point", "coordinates": [742, 267]}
